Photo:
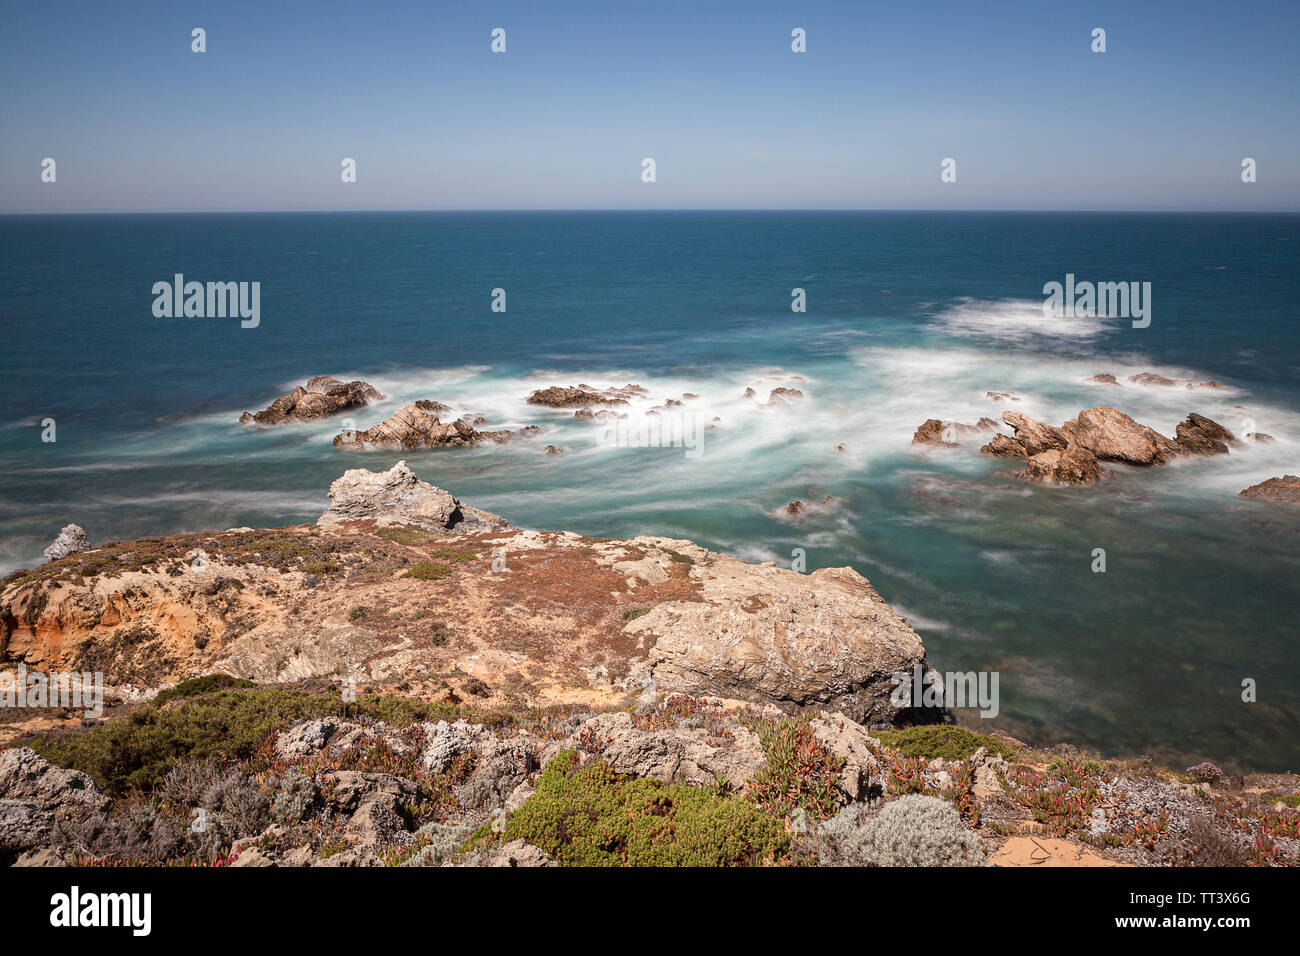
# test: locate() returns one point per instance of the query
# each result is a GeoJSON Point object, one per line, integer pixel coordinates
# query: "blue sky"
{"type": "Point", "coordinates": [711, 90]}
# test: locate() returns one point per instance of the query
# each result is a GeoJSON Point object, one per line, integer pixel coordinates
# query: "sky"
{"type": "Point", "coordinates": [733, 118]}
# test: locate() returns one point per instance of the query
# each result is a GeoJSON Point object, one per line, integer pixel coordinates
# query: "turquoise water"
{"type": "Point", "coordinates": [910, 316]}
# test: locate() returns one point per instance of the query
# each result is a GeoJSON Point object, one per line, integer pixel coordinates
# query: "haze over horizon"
{"type": "Point", "coordinates": [733, 118]}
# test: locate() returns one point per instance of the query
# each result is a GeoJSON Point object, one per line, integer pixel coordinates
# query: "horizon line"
{"type": "Point", "coordinates": [643, 209]}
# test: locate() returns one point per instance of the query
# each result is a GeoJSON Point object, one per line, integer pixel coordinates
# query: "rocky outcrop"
{"type": "Point", "coordinates": [1103, 378]}
{"type": "Point", "coordinates": [1070, 454]}
{"type": "Point", "coordinates": [417, 426]}
{"type": "Point", "coordinates": [401, 584]}
{"type": "Point", "coordinates": [71, 540]}
{"type": "Point", "coordinates": [1202, 436]}
{"type": "Point", "coordinates": [1032, 436]}
{"type": "Point", "coordinates": [1113, 436]}
{"type": "Point", "coordinates": [398, 497]}
{"type": "Point", "coordinates": [583, 396]}
{"type": "Point", "coordinates": [321, 397]}
{"type": "Point", "coordinates": [784, 396]}
{"type": "Point", "coordinates": [43, 791]}
{"type": "Point", "coordinates": [794, 640]}
{"type": "Point", "coordinates": [1002, 396]}
{"type": "Point", "coordinates": [944, 434]}
{"type": "Point", "coordinates": [1286, 488]}
{"type": "Point", "coordinates": [1069, 466]}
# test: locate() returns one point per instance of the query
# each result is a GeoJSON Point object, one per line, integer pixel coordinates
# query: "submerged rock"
{"type": "Point", "coordinates": [320, 397]}
{"type": "Point", "coordinates": [71, 540]}
{"type": "Point", "coordinates": [946, 434]}
{"type": "Point", "coordinates": [1151, 378]}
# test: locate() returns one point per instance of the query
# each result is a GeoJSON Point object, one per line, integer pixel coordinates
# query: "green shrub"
{"type": "Point", "coordinates": [137, 749]}
{"type": "Point", "coordinates": [405, 534]}
{"type": "Point", "coordinates": [596, 817]}
{"type": "Point", "coordinates": [911, 831]}
{"type": "Point", "coordinates": [427, 571]}
{"type": "Point", "coordinates": [631, 614]}
{"type": "Point", "coordinates": [942, 740]}
{"type": "Point", "coordinates": [206, 684]}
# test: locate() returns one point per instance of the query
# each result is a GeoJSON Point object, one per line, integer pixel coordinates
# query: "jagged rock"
{"type": "Point", "coordinates": [519, 853]}
{"type": "Point", "coordinates": [795, 508]}
{"type": "Point", "coordinates": [553, 450]}
{"type": "Point", "coordinates": [784, 396]}
{"type": "Point", "coordinates": [25, 776]}
{"type": "Point", "coordinates": [674, 754]}
{"type": "Point", "coordinates": [322, 396]}
{"type": "Point", "coordinates": [1033, 436]}
{"type": "Point", "coordinates": [1113, 436]}
{"type": "Point", "coordinates": [863, 772]}
{"type": "Point", "coordinates": [1002, 396]}
{"type": "Point", "coordinates": [771, 635]}
{"type": "Point", "coordinates": [417, 426]}
{"type": "Point", "coordinates": [23, 825]}
{"type": "Point", "coordinates": [501, 767]}
{"type": "Point", "coordinates": [750, 393]}
{"type": "Point", "coordinates": [1004, 447]}
{"type": "Point", "coordinates": [1202, 436]}
{"type": "Point", "coordinates": [1286, 488]}
{"type": "Point", "coordinates": [71, 540]}
{"type": "Point", "coordinates": [306, 738]}
{"type": "Point", "coordinates": [1069, 466]}
{"type": "Point", "coordinates": [945, 434]}
{"type": "Point", "coordinates": [397, 496]}
{"type": "Point", "coordinates": [1103, 378]}
{"type": "Point", "coordinates": [580, 396]}
{"type": "Point", "coordinates": [447, 741]}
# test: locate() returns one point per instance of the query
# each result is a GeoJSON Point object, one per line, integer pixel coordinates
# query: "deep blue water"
{"type": "Point", "coordinates": [910, 316]}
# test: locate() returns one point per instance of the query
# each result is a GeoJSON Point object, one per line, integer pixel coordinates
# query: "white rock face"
{"type": "Point", "coordinates": [70, 541]}
{"type": "Point", "coordinates": [398, 497]}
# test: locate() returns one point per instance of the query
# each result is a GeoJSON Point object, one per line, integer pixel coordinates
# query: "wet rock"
{"type": "Point", "coordinates": [1033, 436]}
{"type": "Point", "coordinates": [1103, 378]}
{"type": "Point", "coordinates": [1203, 436]}
{"type": "Point", "coordinates": [784, 396]}
{"type": "Point", "coordinates": [1069, 466]}
{"type": "Point", "coordinates": [322, 396]}
{"type": "Point", "coordinates": [1286, 488]}
{"type": "Point", "coordinates": [581, 396]}
{"type": "Point", "coordinates": [1151, 378]}
{"type": "Point", "coordinates": [418, 426]}
{"type": "Point", "coordinates": [1113, 436]}
{"type": "Point", "coordinates": [946, 434]}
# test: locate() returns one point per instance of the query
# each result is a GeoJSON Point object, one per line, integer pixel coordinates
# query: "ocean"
{"type": "Point", "coordinates": [909, 316]}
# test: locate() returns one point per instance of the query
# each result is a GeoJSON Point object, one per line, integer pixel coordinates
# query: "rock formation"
{"type": "Point", "coordinates": [945, 434]}
{"type": "Point", "coordinates": [1286, 488]}
{"type": "Point", "coordinates": [1151, 378]}
{"type": "Point", "coordinates": [398, 497]}
{"type": "Point", "coordinates": [322, 396]}
{"type": "Point", "coordinates": [1070, 454]}
{"type": "Point", "coordinates": [583, 396]}
{"type": "Point", "coordinates": [418, 426]}
{"type": "Point", "coordinates": [71, 540]}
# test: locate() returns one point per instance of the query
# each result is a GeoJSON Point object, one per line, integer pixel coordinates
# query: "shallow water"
{"type": "Point", "coordinates": [910, 316]}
